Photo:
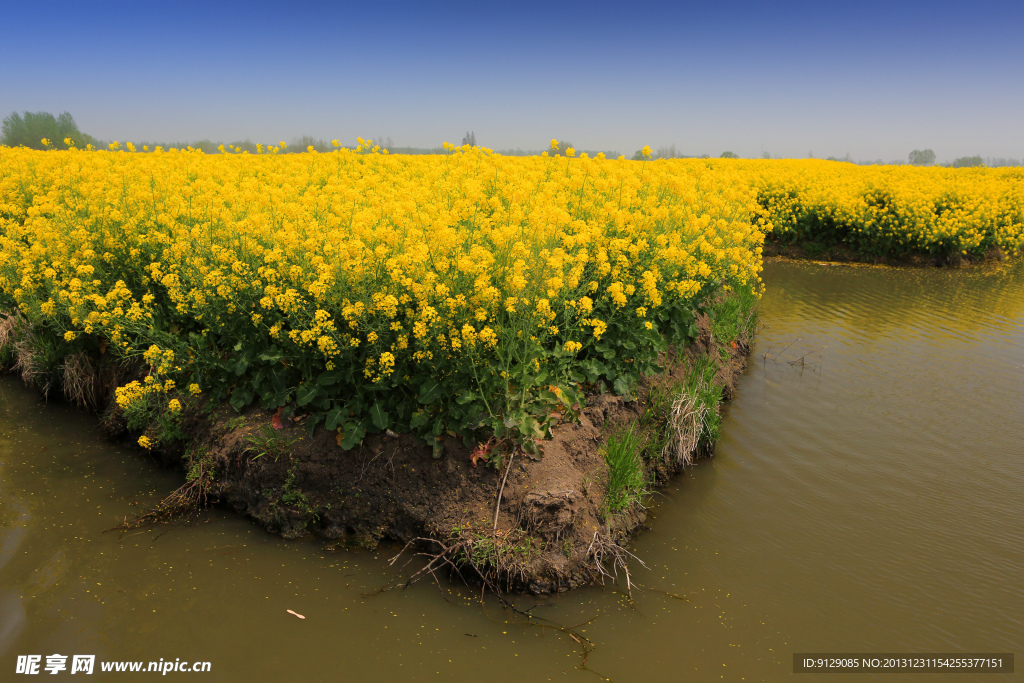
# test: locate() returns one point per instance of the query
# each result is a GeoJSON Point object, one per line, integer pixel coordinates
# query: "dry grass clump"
{"type": "Point", "coordinates": [80, 380]}
{"type": "Point", "coordinates": [685, 424]}
{"type": "Point", "coordinates": [17, 336]}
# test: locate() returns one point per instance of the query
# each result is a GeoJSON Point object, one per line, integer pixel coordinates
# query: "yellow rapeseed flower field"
{"type": "Point", "coordinates": [436, 293]}
{"type": "Point", "coordinates": [373, 291]}
{"type": "Point", "coordinates": [893, 211]}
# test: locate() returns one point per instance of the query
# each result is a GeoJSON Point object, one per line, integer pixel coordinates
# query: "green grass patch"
{"type": "Point", "coordinates": [735, 316]}
{"type": "Point", "coordinates": [627, 484]}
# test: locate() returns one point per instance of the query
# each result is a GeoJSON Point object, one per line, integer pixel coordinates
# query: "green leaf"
{"type": "Point", "coordinates": [240, 398]}
{"type": "Point", "coordinates": [531, 427]}
{"type": "Point", "coordinates": [313, 421]}
{"type": "Point", "coordinates": [241, 366]}
{"type": "Point", "coordinates": [379, 416]}
{"type": "Point", "coordinates": [419, 418]}
{"type": "Point", "coordinates": [329, 378]}
{"type": "Point", "coordinates": [306, 393]}
{"type": "Point", "coordinates": [333, 418]}
{"type": "Point", "coordinates": [430, 391]}
{"type": "Point", "coordinates": [465, 397]}
{"type": "Point", "coordinates": [353, 434]}
{"type": "Point", "coordinates": [272, 356]}
{"type": "Point", "coordinates": [548, 396]}
{"type": "Point", "coordinates": [621, 385]}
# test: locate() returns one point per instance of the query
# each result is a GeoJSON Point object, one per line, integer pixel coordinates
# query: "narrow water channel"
{"type": "Point", "coordinates": [867, 495]}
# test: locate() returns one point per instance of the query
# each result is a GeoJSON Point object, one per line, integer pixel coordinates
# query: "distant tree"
{"type": "Point", "coordinates": [729, 155]}
{"type": "Point", "coordinates": [1002, 161]}
{"type": "Point", "coordinates": [921, 157]}
{"type": "Point", "coordinates": [766, 155]}
{"type": "Point", "coordinates": [669, 152]}
{"type": "Point", "coordinates": [302, 144]}
{"type": "Point", "coordinates": [643, 154]}
{"type": "Point", "coordinates": [469, 139]}
{"type": "Point", "coordinates": [29, 129]}
{"type": "Point", "coordinates": [558, 148]}
{"type": "Point", "coordinates": [964, 162]}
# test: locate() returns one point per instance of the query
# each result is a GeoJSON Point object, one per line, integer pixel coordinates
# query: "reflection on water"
{"type": "Point", "coordinates": [868, 498]}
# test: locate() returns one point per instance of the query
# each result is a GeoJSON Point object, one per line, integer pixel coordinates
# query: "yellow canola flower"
{"type": "Point", "coordinates": [444, 260]}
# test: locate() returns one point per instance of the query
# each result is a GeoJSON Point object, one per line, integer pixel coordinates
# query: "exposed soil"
{"type": "Point", "coordinates": [550, 535]}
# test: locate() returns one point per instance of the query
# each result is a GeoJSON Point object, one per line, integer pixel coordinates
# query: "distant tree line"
{"type": "Point", "coordinates": [964, 162]}
{"type": "Point", "coordinates": [29, 129]}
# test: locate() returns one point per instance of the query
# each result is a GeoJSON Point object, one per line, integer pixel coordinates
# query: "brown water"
{"type": "Point", "coordinates": [868, 498]}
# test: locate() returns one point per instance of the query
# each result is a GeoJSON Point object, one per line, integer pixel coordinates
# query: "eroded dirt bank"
{"type": "Point", "coordinates": [554, 531]}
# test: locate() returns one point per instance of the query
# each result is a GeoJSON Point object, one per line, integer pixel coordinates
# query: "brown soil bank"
{"type": "Point", "coordinates": [542, 525]}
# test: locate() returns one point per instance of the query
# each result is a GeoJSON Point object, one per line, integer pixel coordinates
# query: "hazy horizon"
{"type": "Point", "coordinates": [790, 79]}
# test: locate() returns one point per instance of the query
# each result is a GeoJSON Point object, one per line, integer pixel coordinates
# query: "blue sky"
{"type": "Point", "coordinates": [872, 79]}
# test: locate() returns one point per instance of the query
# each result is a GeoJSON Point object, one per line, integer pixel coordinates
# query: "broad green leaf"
{"type": "Point", "coordinates": [353, 434]}
{"type": "Point", "coordinates": [271, 356]}
{"type": "Point", "coordinates": [430, 391]}
{"type": "Point", "coordinates": [333, 418]}
{"type": "Point", "coordinates": [379, 417]}
{"type": "Point", "coordinates": [240, 398]}
{"type": "Point", "coordinates": [305, 394]}
{"type": "Point", "coordinates": [329, 378]}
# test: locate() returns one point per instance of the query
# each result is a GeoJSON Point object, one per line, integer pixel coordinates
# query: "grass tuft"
{"type": "Point", "coordinates": [627, 484]}
{"type": "Point", "coordinates": [735, 316]}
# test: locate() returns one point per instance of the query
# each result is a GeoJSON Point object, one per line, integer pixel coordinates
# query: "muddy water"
{"type": "Point", "coordinates": [867, 495]}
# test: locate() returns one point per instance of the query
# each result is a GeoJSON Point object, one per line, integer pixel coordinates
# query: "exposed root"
{"type": "Point", "coordinates": [457, 556]}
{"type": "Point", "coordinates": [497, 506]}
{"type": "Point", "coordinates": [602, 548]}
{"type": "Point", "coordinates": [495, 559]}
{"type": "Point", "coordinates": [183, 505]}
